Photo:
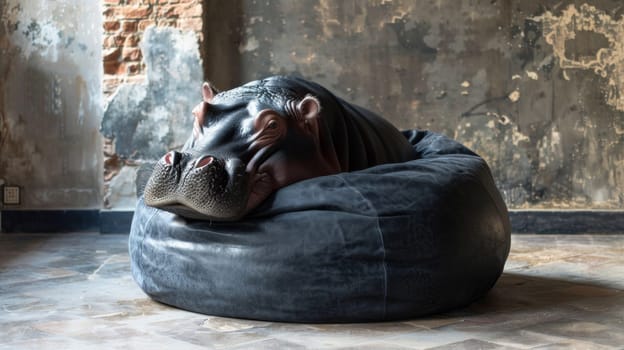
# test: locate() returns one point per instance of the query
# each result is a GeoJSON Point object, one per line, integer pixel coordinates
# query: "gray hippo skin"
{"type": "Point", "coordinates": [250, 141]}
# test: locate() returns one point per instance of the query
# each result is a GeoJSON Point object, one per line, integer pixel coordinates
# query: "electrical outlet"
{"type": "Point", "coordinates": [11, 195]}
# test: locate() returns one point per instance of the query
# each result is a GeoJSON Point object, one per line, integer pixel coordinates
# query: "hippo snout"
{"type": "Point", "coordinates": [173, 159]}
{"type": "Point", "coordinates": [203, 186]}
{"type": "Point", "coordinates": [204, 162]}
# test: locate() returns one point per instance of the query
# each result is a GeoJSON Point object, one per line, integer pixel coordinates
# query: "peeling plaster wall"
{"type": "Point", "coordinates": [50, 102]}
{"type": "Point", "coordinates": [146, 120]}
{"type": "Point", "coordinates": [535, 87]}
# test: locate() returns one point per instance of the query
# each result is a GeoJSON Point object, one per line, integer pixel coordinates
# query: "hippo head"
{"type": "Point", "coordinates": [246, 143]}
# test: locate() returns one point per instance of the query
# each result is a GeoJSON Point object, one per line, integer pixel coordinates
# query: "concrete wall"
{"type": "Point", "coordinates": [534, 86]}
{"type": "Point", "coordinates": [50, 102]}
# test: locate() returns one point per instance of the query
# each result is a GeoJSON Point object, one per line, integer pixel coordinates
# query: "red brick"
{"type": "Point", "coordinates": [146, 23]}
{"type": "Point", "coordinates": [109, 13]}
{"type": "Point", "coordinates": [168, 23]}
{"type": "Point", "coordinates": [168, 12]}
{"type": "Point", "coordinates": [131, 54]}
{"type": "Point", "coordinates": [114, 40]}
{"type": "Point", "coordinates": [121, 69]}
{"type": "Point", "coordinates": [135, 12]}
{"type": "Point", "coordinates": [130, 68]}
{"type": "Point", "coordinates": [193, 10]}
{"type": "Point", "coordinates": [111, 67]}
{"type": "Point", "coordinates": [111, 54]}
{"type": "Point", "coordinates": [194, 24]}
{"type": "Point", "coordinates": [108, 41]}
{"type": "Point", "coordinates": [110, 26]}
{"type": "Point", "coordinates": [129, 26]}
{"type": "Point", "coordinates": [132, 40]}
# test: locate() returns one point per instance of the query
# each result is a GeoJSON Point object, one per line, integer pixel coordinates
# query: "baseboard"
{"type": "Point", "coordinates": [567, 221]}
{"type": "Point", "coordinates": [117, 221]}
{"type": "Point", "coordinates": [50, 221]}
{"type": "Point", "coordinates": [60, 221]}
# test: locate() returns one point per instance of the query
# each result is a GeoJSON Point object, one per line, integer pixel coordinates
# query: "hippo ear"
{"type": "Point", "coordinates": [199, 113]}
{"type": "Point", "coordinates": [208, 92]}
{"type": "Point", "coordinates": [309, 107]}
{"type": "Point", "coordinates": [308, 112]}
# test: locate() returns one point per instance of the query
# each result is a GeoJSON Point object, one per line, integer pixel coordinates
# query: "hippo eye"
{"type": "Point", "coordinates": [272, 125]}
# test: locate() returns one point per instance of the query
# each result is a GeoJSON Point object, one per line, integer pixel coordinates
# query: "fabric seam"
{"type": "Point", "coordinates": [381, 239]}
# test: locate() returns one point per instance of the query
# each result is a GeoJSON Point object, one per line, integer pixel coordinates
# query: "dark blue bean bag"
{"type": "Point", "coordinates": [394, 241]}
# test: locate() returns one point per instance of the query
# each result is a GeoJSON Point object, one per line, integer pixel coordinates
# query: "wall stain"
{"type": "Point", "coordinates": [478, 70]}
{"type": "Point", "coordinates": [530, 34]}
{"type": "Point", "coordinates": [538, 94]}
{"type": "Point", "coordinates": [606, 62]}
{"type": "Point", "coordinates": [5, 64]}
{"type": "Point", "coordinates": [48, 123]}
{"type": "Point", "coordinates": [413, 38]}
{"type": "Point", "coordinates": [497, 138]}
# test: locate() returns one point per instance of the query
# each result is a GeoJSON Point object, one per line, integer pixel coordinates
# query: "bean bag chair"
{"type": "Point", "coordinates": [390, 242]}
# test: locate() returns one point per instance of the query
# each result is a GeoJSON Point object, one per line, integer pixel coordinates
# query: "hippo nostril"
{"type": "Point", "coordinates": [172, 158]}
{"type": "Point", "coordinates": [207, 160]}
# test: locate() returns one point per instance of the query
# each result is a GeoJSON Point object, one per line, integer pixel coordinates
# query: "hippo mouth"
{"type": "Point", "coordinates": [199, 188]}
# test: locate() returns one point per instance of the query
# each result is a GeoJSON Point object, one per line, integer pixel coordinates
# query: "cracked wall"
{"type": "Point", "coordinates": [50, 102]}
{"type": "Point", "coordinates": [535, 87]}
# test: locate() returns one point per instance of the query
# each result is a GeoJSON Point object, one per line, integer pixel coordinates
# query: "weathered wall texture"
{"type": "Point", "coordinates": [149, 85]}
{"type": "Point", "coordinates": [125, 22]}
{"type": "Point", "coordinates": [50, 102]}
{"type": "Point", "coordinates": [534, 86]}
{"type": "Point", "coordinates": [144, 121]}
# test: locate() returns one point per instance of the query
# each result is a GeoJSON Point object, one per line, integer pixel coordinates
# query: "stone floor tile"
{"type": "Point", "coordinates": [375, 345]}
{"type": "Point", "coordinates": [574, 345]}
{"type": "Point", "coordinates": [429, 339]}
{"type": "Point", "coordinates": [75, 291]}
{"type": "Point", "coordinates": [49, 343]}
{"type": "Point", "coordinates": [269, 344]}
{"type": "Point", "coordinates": [521, 339]}
{"type": "Point", "coordinates": [583, 331]}
{"type": "Point", "coordinates": [472, 344]}
{"type": "Point", "coordinates": [222, 324]}
{"type": "Point", "coordinates": [436, 321]}
{"type": "Point", "coordinates": [531, 340]}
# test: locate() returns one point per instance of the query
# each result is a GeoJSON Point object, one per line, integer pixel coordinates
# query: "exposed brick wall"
{"type": "Point", "coordinates": [124, 23]}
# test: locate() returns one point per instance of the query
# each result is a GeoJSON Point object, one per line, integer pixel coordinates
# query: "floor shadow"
{"type": "Point", "coordinates": [28, 259]}
{"type": "Point", "coordinates": [17, 246]}
{"type": "Point", "coordinates": [522, 293]}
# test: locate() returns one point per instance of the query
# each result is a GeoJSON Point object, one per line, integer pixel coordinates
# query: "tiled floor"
{"type": "Point", "coordinates": [74, 291]}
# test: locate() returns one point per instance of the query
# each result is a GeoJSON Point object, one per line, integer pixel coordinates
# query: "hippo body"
{"type": "Point", "coordinates": [254, 139]}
